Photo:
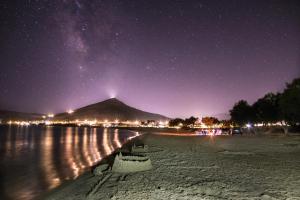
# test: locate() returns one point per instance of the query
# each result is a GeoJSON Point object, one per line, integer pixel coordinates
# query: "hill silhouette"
{"type": "Point", "coordinates": [110, 109]}
{"type": "Point", "coordinates": [6, 115]}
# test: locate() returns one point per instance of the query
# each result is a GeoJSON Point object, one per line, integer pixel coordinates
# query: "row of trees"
{"type": "Point", "coordinates": [272, 108]}
{"type": "Point", "coordinates": [183, 122]}
{"type": "Point", "coordinates": [190, 122]}
{"type": "Point", "coordinates": [281, 107]}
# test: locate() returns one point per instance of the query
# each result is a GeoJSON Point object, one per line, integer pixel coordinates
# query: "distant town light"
{"type": "Point", "coordinates": [51, 115]}
{"type": "Point", "coordinates": [70, 111]}
{"type": "Point", "coordinates": [112, 93]}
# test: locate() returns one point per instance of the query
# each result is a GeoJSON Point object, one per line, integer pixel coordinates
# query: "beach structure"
{"type": "Point", "coordinates": [131, 163]}
{"type": "Point", "coordinates": [100, 169]}
{"type": "Point", "coordinates": [139, 148]}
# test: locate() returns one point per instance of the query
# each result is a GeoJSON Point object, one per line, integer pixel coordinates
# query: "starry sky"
{"type": "Point", "coordinates": [173, 57]}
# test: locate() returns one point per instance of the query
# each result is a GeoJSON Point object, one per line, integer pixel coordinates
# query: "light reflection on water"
{"type": "Point", "coordinates": [34, 160]}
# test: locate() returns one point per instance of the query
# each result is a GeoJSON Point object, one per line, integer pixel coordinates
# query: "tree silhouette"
{"type": "Point", "coordinates": [210, 121]}
{"type": "Point", "coordinates": [289, 103]}
{"type": "Point", "coordinates": [266, 109]}
{"type": "Point", "coordinates": [226, 123]}
{"type": "Point", "coordinates": [242, 113]}
{"type": "Point", "coordinates": [190, 121]}
{"type": "Point", "coordinates": [176, 122]}
{"type": "Point", "coordinates": [271, 108]}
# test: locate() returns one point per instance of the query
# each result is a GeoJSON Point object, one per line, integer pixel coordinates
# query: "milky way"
{"type": "Point", "coordinates": [177, 58]}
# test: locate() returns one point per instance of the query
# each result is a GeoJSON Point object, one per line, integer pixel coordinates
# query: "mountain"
{"type": "Point", "coordinates": [110, 109]}
{"type": "Point", "coordinates": [6, 115]}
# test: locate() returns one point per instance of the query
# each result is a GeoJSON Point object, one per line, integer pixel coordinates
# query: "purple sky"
{"type": "Point", "coordinates": [177, 58]}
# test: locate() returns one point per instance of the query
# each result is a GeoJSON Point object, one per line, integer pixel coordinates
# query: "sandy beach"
{"type": "Point", "coordinates": [194, 167]}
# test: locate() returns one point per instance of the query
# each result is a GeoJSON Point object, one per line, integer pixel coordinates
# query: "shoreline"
{"type": "Point", "coordinates": [237, 167]}
{"type": "Point", "coordinates": [89, 173]}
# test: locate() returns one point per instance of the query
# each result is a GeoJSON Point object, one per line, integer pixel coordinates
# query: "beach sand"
{"type": "Point", "coordinates": [194, 167]}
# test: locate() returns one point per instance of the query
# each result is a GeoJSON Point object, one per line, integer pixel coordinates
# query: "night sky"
{"type": "Point", "coordinates": [177, 58]}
